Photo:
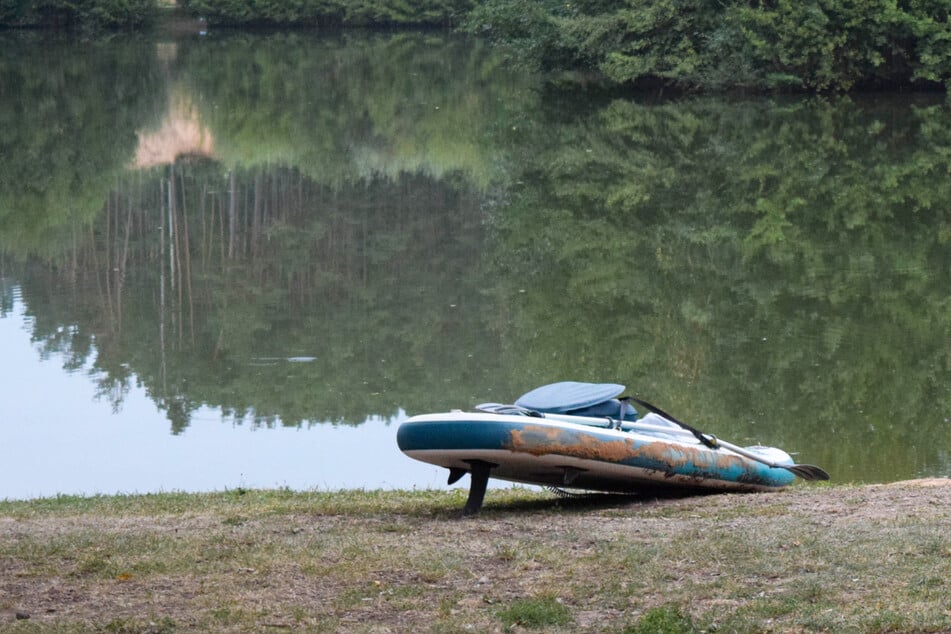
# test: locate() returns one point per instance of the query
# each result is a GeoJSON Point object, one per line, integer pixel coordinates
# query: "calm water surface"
{"type": "Point", "coordinates": [241, 260]}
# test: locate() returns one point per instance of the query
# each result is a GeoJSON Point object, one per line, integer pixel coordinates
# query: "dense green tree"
{"type": "Point", "coordinates": [748, 44]}
{"type": "Point", "coordinates": [331, 12]}
{"type": "Point", "coordinates": [96, 14]}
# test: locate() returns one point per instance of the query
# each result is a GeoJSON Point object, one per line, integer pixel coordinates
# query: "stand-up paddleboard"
{"type": "Point", "coordinates": [554, 441]}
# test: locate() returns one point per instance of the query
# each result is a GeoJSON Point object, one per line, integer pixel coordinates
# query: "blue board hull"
{"type": "Point", "coordinates": [583, 455]}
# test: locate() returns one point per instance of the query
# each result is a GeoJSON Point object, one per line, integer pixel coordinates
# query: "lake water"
{"type": "Point", "coordinates": [241, 260]}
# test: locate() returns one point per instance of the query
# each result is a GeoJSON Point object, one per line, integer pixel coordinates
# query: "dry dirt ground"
{"type": "Point", "coordinates": [326, 571]}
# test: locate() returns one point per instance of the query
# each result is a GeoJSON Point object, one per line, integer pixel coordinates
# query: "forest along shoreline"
{"type": "Point", "coordinates": [846, 557]}
{"type": "Point", "coordinates": [689, 44]}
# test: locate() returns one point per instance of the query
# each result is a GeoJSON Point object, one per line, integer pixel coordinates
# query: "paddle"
{"type": "Point", "coordinates": [804, 471]}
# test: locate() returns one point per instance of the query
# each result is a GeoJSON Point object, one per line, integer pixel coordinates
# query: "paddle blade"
{"type": "Point", "coordinates": [808, 471]}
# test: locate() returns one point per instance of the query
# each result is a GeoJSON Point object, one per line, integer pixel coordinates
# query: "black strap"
{"type": "Point", "coordinates": [707, 440]}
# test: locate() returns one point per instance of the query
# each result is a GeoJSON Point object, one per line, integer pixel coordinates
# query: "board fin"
{"type": "Point", "coordinates": [480, 480]}
{"type": "Point", "coordinates": [455, 474]}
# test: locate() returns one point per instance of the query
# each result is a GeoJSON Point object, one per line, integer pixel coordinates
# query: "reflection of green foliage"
{"type": "Point", "coordinates": [747, 261]}
{"type": "Point", "coordinates": [774, 271]}
{"type": "Point", "coordinates": [336, 241]}
{"type": "Point", "coordinates": [354, 108]}
{"type": "Point", "coordinates": [67, 129]}
{"type": "Point", "coordinates": [318, 304]}
{"type": "Point", "coordinates": [6, 292]}
{"type": "Point", "coordinates": [342, 110]}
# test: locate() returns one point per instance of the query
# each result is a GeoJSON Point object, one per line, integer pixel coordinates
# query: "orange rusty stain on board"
{"type": "Point", "coordinates": [549, 432]}
{"type": "Point", "coordinates": [540, 440]}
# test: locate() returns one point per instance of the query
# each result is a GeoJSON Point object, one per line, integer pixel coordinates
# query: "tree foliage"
{"type": "Point", "coordinates": [330, 12]}
{"type": "Point", "coordinates": [99, 14]}
{"type": "Point", "coordinates": [815, 45]}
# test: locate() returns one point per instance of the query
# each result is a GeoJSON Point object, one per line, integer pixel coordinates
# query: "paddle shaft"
{"type": "Point", "coordinates": [646, 427]}
{"type": "Point", "coordinates": [804, 471]}
{"type": "Point", "coordinates": [702, 437]}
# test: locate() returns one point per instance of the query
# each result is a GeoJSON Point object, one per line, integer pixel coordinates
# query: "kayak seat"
{"type": "Point", "coordinates": [579, 399]}
{"type": "Point", "coordinates": [611, 407]}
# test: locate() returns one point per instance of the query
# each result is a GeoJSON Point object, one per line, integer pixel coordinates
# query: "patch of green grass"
{"type": "Point", "coordinates": [927, 587]}
{"type": "Point", "coordinates": [96, 565]}
{"type": "Point", "coordinates": [887, 621]}
{"type": "Point", "coordinates": [448, 603]}
{"type": "Point", "coordinates": [663, 620]}
{"type": "Point", "coordinates": [535, 612]}
{"type": "Point", "coordinates": [231, 615]}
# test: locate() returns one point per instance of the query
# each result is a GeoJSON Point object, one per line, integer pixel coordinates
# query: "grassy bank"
{"type": "Point", "coordinates": [846, 558]}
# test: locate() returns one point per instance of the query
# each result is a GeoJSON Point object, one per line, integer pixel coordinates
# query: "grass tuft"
{"type": "Point", "coordinates": [663, 620]}
{"type": "Point", "coordinates": [535, 612]}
